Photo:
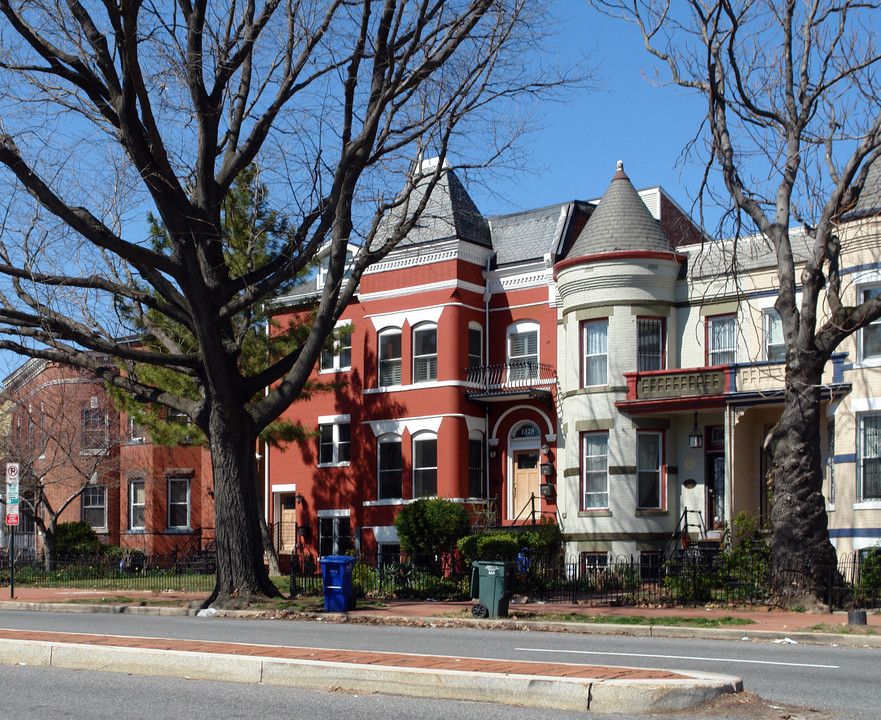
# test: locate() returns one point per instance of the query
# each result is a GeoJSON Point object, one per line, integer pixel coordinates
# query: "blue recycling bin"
{"type": "Point", "coordinates": [336, 576]}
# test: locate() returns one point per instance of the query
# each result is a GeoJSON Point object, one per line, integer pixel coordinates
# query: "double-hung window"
{"type": "Point", "coordinates": [334, 440]}
{"type": "Point", "coordinates": [870, 336]}
{"type": "Point", "coordinates": [425, 353]}
{"type": "Point", "coordinates": [595, 471]}
{"type": "Point", "coordinates": [94, 500]}
{"type": "Point", "coordinates": [775, 347]}
{"type": "Point", "coordinates": [424, 466]}
{"type": "Point", "coordinates": [334, 532]}
{"type": "Point", "coordinates": [475, 347]}
{"type": "Point", "coordinates": [649, 471]}
{"type": "Point", "coordinates": [596, 353]}
{"type": "Point", "coordinates": [721, 339]}
{"type": "Point", "coordinates": [870, 458]}
{"type": "Point", "coordinates": [523, 353]}
{"type": "Point", "coordinates": [650, 342]}
{"type": "Point", "coordinates": [178, 503]}
{"type": "Point", "coordinates": [93, 429]}
{"type": "Point", "coordinates": [391, 468]}
{"type": "Point", "coordinates": [475, 468]}
{"type": "Point", "coordinates": [339, 356]}
{"type": "Point", "coordinates": [137, 505]}
{"type": "Point", "coordinates": [389, 358]}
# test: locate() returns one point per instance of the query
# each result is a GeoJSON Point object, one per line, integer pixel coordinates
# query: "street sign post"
{"type": "Point", "coordinates": [12, 493]}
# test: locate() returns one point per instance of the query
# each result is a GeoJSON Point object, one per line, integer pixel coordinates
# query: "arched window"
{"type": "Point", "coordinates": [425, 352]}
{"type": "Point", "coordinates": [523, 350]}
{"type": "Point", "coordinates": [390, 357]}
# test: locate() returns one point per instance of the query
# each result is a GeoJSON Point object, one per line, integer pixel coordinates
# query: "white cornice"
{"type": "Point", "coordinates": [535, 274]}
{"type": "Point", "coordinates": [415, 289]}
{"type": "Point", "coordinates": [416, 255]}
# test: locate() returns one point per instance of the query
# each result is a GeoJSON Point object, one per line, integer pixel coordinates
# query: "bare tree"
{"type": "Point", "coordinates": [65, 434]}
{"type": "Point", "coordinates": [109, 110]}
{"type": "Point", "coordinates": [793, 125]}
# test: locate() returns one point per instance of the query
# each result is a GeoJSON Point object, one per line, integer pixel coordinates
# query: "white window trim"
{"type": "Point", "coordinates": [423, 437]}
{"type": "Point", "coordinates": [710, 322]}
{"type": "Point", "coordinates": [582, 504]}
{"type": "Point", "coordinates": [131, 504]}
{"type": "Point", "coordinates": [478, 328]}
{"type": "Point", "coordinates": [335, 366]}
{"type": "Point", "coordinates": [168, 503]}
{"type": "Point", "coordinates": [423, 327]}
{"type": "Point", "coordinates": [766, 335]}
{"type": "Point", "coordinates": [335, 421]}
{"type": "Point", "coordinates": [103, 488]}
{"type": "Point", "coordinates": [379, 359]}
{"type": "Point", "coordinates": [586, 356]}
{"type": "Point", "coordinates": [523, 326]}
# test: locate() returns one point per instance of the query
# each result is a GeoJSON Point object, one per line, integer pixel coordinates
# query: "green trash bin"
{"type": "Point", "coordinates": [492, 583]}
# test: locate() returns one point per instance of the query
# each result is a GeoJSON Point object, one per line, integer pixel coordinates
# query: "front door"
{"type": "Point", "coordinates": [287, 533]}
{"type": "Point", "coordinates": [526, 482]}
{"type": "Point", "coordinates": [715, 490]}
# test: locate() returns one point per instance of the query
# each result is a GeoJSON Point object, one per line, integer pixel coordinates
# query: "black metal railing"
{"type": "Point", "coordinates": [510, 376]}
{"type": "Point", "coordinates": [595, 579]}
{"type": "Point", "coordinates": [131, 571]}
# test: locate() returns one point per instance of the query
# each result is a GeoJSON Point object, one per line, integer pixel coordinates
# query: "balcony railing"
{"type": "Point", "coordinates": [663, 384]}
{"type": "Point", "coordinates": [510, 377]}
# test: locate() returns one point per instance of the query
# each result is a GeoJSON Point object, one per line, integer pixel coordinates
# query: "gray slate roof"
{"type": "Point", "coordinates": [621, 222]}
{"type": "Point", "coordinates": [870, 197]}
{"type": "Point", "coordinates": [528, 235]}
{"type": "Point", "coordinates": [449, 213]}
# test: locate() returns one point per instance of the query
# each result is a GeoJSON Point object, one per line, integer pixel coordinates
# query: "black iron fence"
{"type": "Point", "coordinates": [691, 579]}
{"type": "Point", "coordinates": [129, 572]}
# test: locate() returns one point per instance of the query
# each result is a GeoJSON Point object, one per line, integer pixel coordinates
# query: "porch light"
{"type": "Point", "coordinates": [696, 437]}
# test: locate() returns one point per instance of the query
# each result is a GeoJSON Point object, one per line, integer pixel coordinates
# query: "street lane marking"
{"type": "Point", "coordinates": [680, 657]}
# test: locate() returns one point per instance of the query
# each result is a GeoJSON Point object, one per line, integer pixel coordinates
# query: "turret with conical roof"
{"type": "Point", "coordinates": [621, 223]}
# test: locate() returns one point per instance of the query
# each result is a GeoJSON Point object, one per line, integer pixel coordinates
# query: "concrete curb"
{"type": "Point", "coordinates": [621, 696]}
{"type": "Point", "coordinates": [742, 633]}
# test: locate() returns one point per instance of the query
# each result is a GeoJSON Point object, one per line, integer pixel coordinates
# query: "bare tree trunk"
{"type": "Point", "coordinates": [50, 553]}
{"type": "Point", "coordinates": [241, 574]}
{"type": "Point", "coordinates": [801, 553]}
{"type": "Point", "coordinates": [269, 546]}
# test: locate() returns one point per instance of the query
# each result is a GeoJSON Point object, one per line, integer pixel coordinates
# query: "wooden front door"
{"type": "Point", "coordinates": [526, 482]}
{"type": "Point", "coordinates": [287, 535]}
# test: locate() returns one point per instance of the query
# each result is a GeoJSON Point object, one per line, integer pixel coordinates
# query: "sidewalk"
{"type": "Point", "coordinates": [553, 685]}
{"type": "Point", "coordinates": [763, 621]}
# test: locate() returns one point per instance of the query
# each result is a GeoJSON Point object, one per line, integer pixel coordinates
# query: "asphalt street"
{"type": "Point", "coordinates": [835, 679]}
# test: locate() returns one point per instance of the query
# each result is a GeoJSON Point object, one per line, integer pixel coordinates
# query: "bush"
{"type": "Point", "coordinates": [431, 526]}
{"type": "Point", "coordinates": [75, 539]}
{"type": "Point", "coordinates": [495, 545]}
{"type": "Point", "coordinates": [541, 540]}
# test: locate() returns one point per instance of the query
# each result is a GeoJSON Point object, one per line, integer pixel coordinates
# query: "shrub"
{"type": "Point", "coordinates": [76, 539]}
{"type": "Point", "coordinates": [541, 540]}
{"type": "Point", "coordinates": [494, 545]}
{"type": "Point", "coordinates": [430, 526]}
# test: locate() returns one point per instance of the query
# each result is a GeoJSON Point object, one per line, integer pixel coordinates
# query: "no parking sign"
{"type": "Point", "coordinates": [12, 488]}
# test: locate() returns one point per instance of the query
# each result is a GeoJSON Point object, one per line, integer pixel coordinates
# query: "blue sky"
{"type": "Point", "coordinates": [626, 118]}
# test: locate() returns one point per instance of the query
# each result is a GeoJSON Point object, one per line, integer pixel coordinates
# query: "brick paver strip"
{"type": "Point", "coordinates": [402, 660]}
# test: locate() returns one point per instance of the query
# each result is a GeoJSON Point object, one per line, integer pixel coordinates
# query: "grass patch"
{"type": "Point", "coordinates": [110, 599]}
{"type": "Point", "coordinates": [669, 620]}
{"type": "Point", "coordinates": [844, 629]}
